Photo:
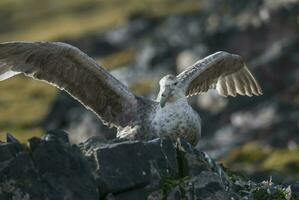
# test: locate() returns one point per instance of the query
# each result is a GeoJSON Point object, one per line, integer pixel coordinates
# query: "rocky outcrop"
{"type": "Point", "coordinates": [51, 168]}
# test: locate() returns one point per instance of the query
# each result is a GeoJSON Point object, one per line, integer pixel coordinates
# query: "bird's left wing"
{"type": "Point", "coordinates": [70, 69]}
{"type": "Point", "coordinates": [225, 72]}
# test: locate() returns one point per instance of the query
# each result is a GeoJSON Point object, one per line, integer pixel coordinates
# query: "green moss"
{"type": "Point", "coordinates": [233, 175]}
{"type": "Point", "coordinates": [263, 194]}
{"type": "Point", "coordinates": [251, 153]}
{"type": "Point", "coordinates": [168, 184]}
{"type": "Point", "coordinates": [286, 160]}
{"type": "Point", "coordinates": [253, 157]}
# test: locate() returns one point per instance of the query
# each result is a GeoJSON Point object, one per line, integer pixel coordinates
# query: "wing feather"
{"type": "Point", "coordinates": [70, 69]}
{"type": "Point", "coordinates": [230, 86]}
{"type": "Point", "coordinates": [221, 87]}
{"type": "Point", "coordinates": [255, 87]}
{"type": "Point", "coordinates": [227, 73]}
{"type": "Point", "coordinates": [239, 85]}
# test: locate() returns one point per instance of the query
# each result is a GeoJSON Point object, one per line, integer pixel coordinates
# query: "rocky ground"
{"type": "Point", "coordinates": [51, 168]}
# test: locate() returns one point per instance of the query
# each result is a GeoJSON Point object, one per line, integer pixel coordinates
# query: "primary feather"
{"type": "Point", "coordinates": [70, 69]}
{"type": "Point", "coordinates": [227, 73]}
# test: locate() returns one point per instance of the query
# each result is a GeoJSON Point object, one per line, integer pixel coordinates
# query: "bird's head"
{"type": "Point", "coordinates": [170, 90]}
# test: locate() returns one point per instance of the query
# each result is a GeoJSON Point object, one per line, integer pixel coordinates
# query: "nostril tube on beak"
{"type": "Point", "coordinates": [163, 100]}
{"type": "Point", "coordinates": [165, 92]}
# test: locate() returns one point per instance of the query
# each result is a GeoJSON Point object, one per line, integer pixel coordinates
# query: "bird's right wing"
{"type": "Point", "coordinates": [70, 69]}
{"type": "Point", "coordinates": [225, 72]}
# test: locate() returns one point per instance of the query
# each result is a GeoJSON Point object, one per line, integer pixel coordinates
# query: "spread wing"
{"type": "Point", "coordinates": [227, 73]}
{"type": "Point", "coordinates": [70, 69]}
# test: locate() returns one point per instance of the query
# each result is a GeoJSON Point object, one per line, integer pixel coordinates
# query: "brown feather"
{"type": "Point", "coordinates": [223, 71]}
{"type": "Point", "coordinates": [68, 68]}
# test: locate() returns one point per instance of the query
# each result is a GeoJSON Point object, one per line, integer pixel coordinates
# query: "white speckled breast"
{"type": "Point", "coordinates": [177, 119]}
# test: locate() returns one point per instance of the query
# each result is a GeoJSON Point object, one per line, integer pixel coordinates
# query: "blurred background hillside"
{"type": "Point", "coordinates": [141, 41]}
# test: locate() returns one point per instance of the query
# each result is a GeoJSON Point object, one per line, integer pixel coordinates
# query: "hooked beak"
{"type": "Point", "coordinates": [163, 102]}
{"type": "Point", "coordinates": [164, 98]}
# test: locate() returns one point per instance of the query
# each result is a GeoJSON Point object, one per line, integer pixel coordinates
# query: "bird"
{"type": "Point", "coordinates": [135, 117]}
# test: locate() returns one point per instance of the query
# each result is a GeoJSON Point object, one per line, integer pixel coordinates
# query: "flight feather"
{"type": "Point", "coordinates": [70, 69]}
{"type": "Point", "coordinates": [225, 72]}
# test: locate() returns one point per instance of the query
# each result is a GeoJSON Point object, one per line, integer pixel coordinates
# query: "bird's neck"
{"type": "Point", "coordinates": [178, 95]}
{"type": "Point", "coordinates": [176, 101]}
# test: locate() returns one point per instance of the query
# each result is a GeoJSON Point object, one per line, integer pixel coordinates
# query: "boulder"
{"type": "Point", "coordinates": [49, 169]}
{"type": "Point", "coordinates": [126, 165]}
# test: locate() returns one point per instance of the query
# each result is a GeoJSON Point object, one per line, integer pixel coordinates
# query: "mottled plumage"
{"type": "Point", "coordinates": [170, 115]}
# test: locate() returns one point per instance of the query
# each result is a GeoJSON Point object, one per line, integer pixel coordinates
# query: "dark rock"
{"type": "Point", "coordinates": [147, 164]}
{"type": "Point", "coordinates": [19, 179]}
{"type": "Point", "coordinates": [207, 185]}
{"type": "Point", "coordinates": [136, 194]}
{"type": "Point", "coordinates": [57, 117]}
{"type": "Point", "coordinates": [182, 30]}
{"type": "Point", "coordinates": [59, 135]}
{"type": "Point", "coordinates": [155, 195]}
{"type": "Point", "coordinates": [11, 138]}
{"type": "Point", "coordinates": [155, 54]}
{"type": "Point", "coordinates": [295, 190]}
{"type": "Point", "coordinates": [163, 156]}
{"type": "Point", "coordinates": [9, 151]}
{"type": "Point", "coordinates": [113, 175]}
{"type": "Point", "coordinates": [126, 35]}
{"type": "Point", "coordinates": [119, 170]}
{"type": "Point", "coordinates": [153, 165]}
{"type": "Point", "coordinates": [93, 44]}
{"type": "Point", "coordinates": [175, 194]}
{"type": "Point", "coordinates": [52, 169]}
{"type": "Point", "coordinates": [193, 162]}
{"type": "Point", "coordinates": [64, 169]}
{"type": "Point", "coordinates": [34, 142]}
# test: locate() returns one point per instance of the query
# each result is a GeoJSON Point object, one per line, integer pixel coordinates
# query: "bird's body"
{"type": "Point", "coordinates": [175, 119]}
{"type": "Point", "coordinates": [135, 117]}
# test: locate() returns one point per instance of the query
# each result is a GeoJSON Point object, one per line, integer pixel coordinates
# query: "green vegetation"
{"type": "Point", "coordinates": [23, 103]}
{"type": "Point", "coordinates": [169, 184]}
{"type": "Point", "coordinates": [263, 194]}
{"type": "Point", "coordinates": [253, 157]}
{"type": "Point", "coordinates": [54, 19]}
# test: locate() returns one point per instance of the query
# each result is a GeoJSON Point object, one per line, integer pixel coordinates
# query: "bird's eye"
{"type": "Point", "coordinates": [175, 83]}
